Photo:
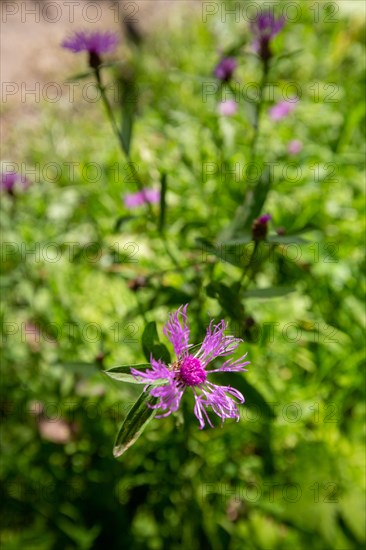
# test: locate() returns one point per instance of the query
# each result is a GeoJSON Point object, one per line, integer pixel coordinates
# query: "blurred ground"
{"type": "Point", "coordinates": [31, 58]}
{"type": "Point", "coordinates": [31, 33]}
{"type": "Point", "coordinates": [32, 30]}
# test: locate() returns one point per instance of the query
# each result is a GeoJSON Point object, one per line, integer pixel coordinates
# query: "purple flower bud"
{"type": "Point", "coordinates": [225, 68]}
{"type": "Point", "coordinates": [260, 227]}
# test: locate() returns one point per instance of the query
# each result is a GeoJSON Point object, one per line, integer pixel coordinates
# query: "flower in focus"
{"type": "Point", "coordinates": [225, 68]}
{"type": "Point", "coordinates": [294, 147]}
{"type": "Point", "coordinates": [228, 107]}
{"type": "Point", "coordinates": [260, 227]}
{"type": "Point", "coordinates": [191, 371]}
{"type": "Point", "coordinates": [91, 41]}
{"type": "Point", "coordinates": [12, 181]}
{"type": "Point", "coordinates": [282, 109]}
{"type": "Point", "coordinates": [144, 196]}
{"type": "Point", "coordinates": [264, 29]}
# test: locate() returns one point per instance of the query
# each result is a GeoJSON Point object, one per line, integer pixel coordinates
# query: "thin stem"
{"type": "Point", "coordinates": [249, 265]}
{"type": "Point", "coordinates": [259, 109]}
{"type": "Point", "coordinates": [168, 250]}
{"type": "Point", "coordinates": [118, 134]}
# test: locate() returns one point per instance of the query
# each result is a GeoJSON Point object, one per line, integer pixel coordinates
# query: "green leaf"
{"type": "Point", "coordinates": [287, 55]}
{"type": "Point", "coordinates": [273, 292]}
{"type": "Point", "coordinates": [122, 220]}
{"type": "Point", "coordinates": [152, 346]}
{"type": "Point", "coordinates": [80, 76]}
{"type": "Point", "coordinates": [128, 110]}
{"type": "Point", "coordinates": [149, 337]}
{"type": "Point", "coordinates": [84, 369]}
{"type": "Point", "coordinates": [123, 373]}
{"type": "Point", "coordinates": [134, 424]}
{"type": "Point", "coordinates": [227, 298]}
{"type": "Point", "coordinates": [250, 209]}
{"type": "Point", "coordinates": [160, 351]}
{"type": "Point", "coordinates": [227, 252]}
{"type": "Point", "coordinates": [286, 239]}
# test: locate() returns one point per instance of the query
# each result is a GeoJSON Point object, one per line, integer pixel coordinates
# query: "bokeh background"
{"type": "Point", "coordinates": [81, 278]}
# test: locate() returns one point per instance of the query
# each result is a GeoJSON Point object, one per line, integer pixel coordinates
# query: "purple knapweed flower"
{"type": "Point", "coordinates": [225, 68]}
{"type": "Point", "coordinates": [282, 109]}
{"type": "Point", "coordinates": [295, 146]}
{"type": "Point", "coordinates": [260, 227]}
{"type": "Point", "coordinates": [191, 371]}
{"type": "Point", "coordinates": [96, 42]}
{"type": "Point", "coordinates": [265, 28]}
{"type": "Point", "coordinates": [144, 196]}
{"type": "Point", "coordinates": [227, 108]}
{"type": "Point", "coordinates": [12, 181]}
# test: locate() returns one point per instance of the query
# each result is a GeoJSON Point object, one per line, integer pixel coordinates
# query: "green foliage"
{"type": "Point", "coordinates": [87, 285]}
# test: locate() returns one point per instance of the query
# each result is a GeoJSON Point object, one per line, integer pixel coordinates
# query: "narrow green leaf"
{"type": "Point", "coordinates": [134, 424]}
{"type": "Point", "coordinates": [226, 253]}
{"type": "Point", "coordinates": [128, 111]}
{"type": "Point", "coordinates": [122, 220]}
{"type": "Point", "coordinates": [286, 239]}
{"type": "Point", "coordinates": [160, 351]}
{"type": "Point", "coordinates": [250, 209]}
{"type": "Point", "coordinates": [123, 373]}
{"type": "Point", "coordinates": [80, 76]}
{"type": "Point", "coordinates": [227, 298]}
{"type": "Point", "coordinates": [287, 55]}
{"type": "Point", "coordinates": [152, 346]}
{"type": "Point", "coordinates": [148, 339]}
{"type": "Point", "coordinates": [83, 369]}
{"type": "Point", "coordinates": [274, 292]}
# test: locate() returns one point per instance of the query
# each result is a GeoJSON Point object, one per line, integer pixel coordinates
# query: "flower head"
{"type": "Point", "coordinates": [192, 370]}
{"type": "Point", "coordinates": [264, 29]}
{"type": "Point", "coordinates": [228, 107]}
{"type": "Point", "coordinates": [144, 196]}
{"type": "Point", "coordinates": [225, 68]}
{"type": "Point", "coordinates": [11, 181]}
{"type": "Point", "coordinates": [282, 109]}
{"type": "Point", "coordinates": [95, 42]}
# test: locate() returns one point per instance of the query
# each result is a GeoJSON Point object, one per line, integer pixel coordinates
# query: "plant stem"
{"type": "Point", "coordinates": [258, 110]}
{"type": "Point", "coordinates": [118, 134]}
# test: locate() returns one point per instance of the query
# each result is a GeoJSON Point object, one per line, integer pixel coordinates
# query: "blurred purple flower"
{"type": "Point", "coordinates": [12, 181]}
{"type": "Point", "coordinates": [264, 29]}
{"type": "Point", "coordinates": [294, 147]}
{"type": "Point", "coordinates": [95, 42]}
{"type": "Point", "coordinates": [282, 109]}
{"type": "Point", "coordinates": [190, 371]}
{"type": "Point", "coordinates": [225, 68]}
{"type": "Point", "coordinates": [265, 218]}
{"type": "Point", "coordinates": [227, 108]}
{"type": "Point", "coordinates": [144, 196]}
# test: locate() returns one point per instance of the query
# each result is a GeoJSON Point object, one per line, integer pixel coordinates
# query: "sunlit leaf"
{"type": "Point", "coordinates": [135, 423]}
